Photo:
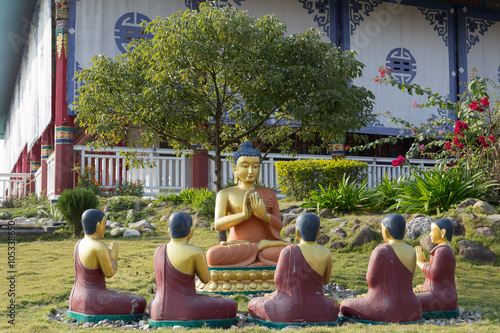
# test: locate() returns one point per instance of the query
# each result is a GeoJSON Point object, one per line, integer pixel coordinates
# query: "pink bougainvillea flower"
{"type": "Point", "coordinates": [458, 131]}
{"type": "Point", "coordinates": [421, 146]}
{"type": "Point", "coordinates": [481, 138]}
{"type": "Point", "coordinates": [347, 147]}
{"type": "Point", "coordinates": [376, 79]}
{"type": "Point", "coordinates": [415, 105]}
{"type": "Point", "coordinates": [447, 145]}
{"type": "Point", "coordinates": [460, 146]}
{"type": "Point", "coordinates": [474, 105]}
{"type": "Point", "coordinates": [456, 141]}
{"type": "Point", "coordinates": [484, 101]}
{"type": "Point", "coordinates": [492, 138]}
{"type": "Point", "coordinates": [400, 160]}
{"type": "Point", "coordinates": [485, 145]}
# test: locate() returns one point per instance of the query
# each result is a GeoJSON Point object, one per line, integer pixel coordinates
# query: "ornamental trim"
{"type": "Point", "coordinates": [358, 10]}
{"type": "Point", "coordinates": [439, 20]}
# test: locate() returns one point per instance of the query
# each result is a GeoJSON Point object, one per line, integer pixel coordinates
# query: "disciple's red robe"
{"type": "Point", "coordinates": [299, 293]}
{"type": "Point", "coordinates": [390, 296]}
{"type": "Point", "coordinates": [90, 296]}
{"type": "Point", "coordinates": [176, 297]}
{"type": "Point", "coordinates": [439, 281]}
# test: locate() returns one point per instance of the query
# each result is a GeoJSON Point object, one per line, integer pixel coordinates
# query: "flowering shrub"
{"type": "Point", "coordinates": [470, 139]}
{"type": "Point", "coordinates": [134, 189]}
{"type": "Point", "coordinates": [88, 178]}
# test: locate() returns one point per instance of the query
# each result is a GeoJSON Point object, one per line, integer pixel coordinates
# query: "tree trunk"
{"type": "Point", "coordinates": [218, 186]}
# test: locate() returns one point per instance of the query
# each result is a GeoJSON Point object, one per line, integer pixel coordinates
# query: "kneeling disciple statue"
{"type": "Point", "coordinates": [438, 295]}
{"type": "Point", "coordinates": [300, 274]}
{"type": "Point", "coordinates": [176, 301]}
{"type": "Point", "coordinates": [390, 296]}
{"type": "Point", "coordinates": [94, 261]}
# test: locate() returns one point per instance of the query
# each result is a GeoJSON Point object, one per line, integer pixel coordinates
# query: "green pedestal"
{"type": "Point", "coordinates": [212, 323]}
{"type": "Point", "coordinates": [362, 321]}
{"type": "Point", "coordinates": [277, 325]}
{"type": "Point", "coordinates": [97, 318]}
{"type": "Point", "coordinates": [440, 314]}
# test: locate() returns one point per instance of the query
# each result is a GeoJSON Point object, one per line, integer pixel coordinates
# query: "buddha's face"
{"type": "Point", "coordinates": [247, 169]}
{"type": "Point", "coordinates": [437, 235]}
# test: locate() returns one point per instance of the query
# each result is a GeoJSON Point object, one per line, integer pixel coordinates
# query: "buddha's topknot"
{"type": "Point", "coordinates": [246, 149]}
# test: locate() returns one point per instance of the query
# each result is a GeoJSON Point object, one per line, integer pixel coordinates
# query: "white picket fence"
{"type": "Point", "coordinates": [173, 173]}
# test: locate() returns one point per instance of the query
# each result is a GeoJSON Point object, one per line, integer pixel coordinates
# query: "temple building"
{"type": "Point", "coordinates": [432, 43]}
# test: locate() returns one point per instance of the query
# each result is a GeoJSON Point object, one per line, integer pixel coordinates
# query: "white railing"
{"type": "Point", "coordinates": [13, 184]}
{"type": "Point", "coordinates": [378, 167]}
{"type": "Point", "coordinates": [109, 168]}
{"type": "Point", "coordinates": [51, 174]}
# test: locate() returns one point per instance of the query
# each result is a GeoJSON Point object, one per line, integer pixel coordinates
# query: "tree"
{"type": "Point", "coordinates": [210, 78]}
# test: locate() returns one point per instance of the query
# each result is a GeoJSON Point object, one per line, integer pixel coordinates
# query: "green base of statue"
{"type": "Point", "coordinates": [362, 321]}
{"type": "Point", "coordinates": [212, 323]}
{"type": "Point", "coordinates": [238, 280]}
{"type": "Point", "coordinates": [277, 325]}
{"type": "Point", "coordinates": [79, 317]}
{"type": "Point", "coordinates": [440, 314]}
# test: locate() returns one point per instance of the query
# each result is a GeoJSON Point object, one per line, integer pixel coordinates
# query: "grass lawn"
{"type": "Point", "coordinates": [45, 275]}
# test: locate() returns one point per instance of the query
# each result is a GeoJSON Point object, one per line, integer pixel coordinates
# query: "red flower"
{"type": "Point", "coordinates": [492, 137]}
{"type": "Point", "coordinates": [376, 80]}
{"type": "Point", "coordinates": [399, 161]}
{"type": "Point", "coordinates": [456, 141]}
{"type": "Point", "coordinates": [485, 145]}
{"type": "Point", "coordinates": [458, 131]}
{"type": "Point", "coordinates": [484, 101]}
{"type": "Point", "coordinates": [474, 105]}
{"type": "Point", "coordinates": [460, 146]}
{"type": "Point", "coordinates": [447, 145]}
{"type": "Point", "coordinates": [481, 138]}
{"type": "Point", "coordinates": [415, 105]}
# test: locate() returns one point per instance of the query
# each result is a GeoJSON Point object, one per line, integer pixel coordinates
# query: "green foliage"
{"type": "Point", "coordinates": [134, 189]}
{"type": "Point", "coordinates": [88, 178]}
{"type": "Point", "coordinates": [72, 204]}
{"type": "Point", "coordinates": [209, 65]}
{"type": "Point", "coordinates": [123, 203]}
{"type": "Point", "coordinates": [388, 190]}
{"type": "Point", "coordinates": [202, 200]}
{"type": "Point", "coordinates": [298, 178]}
{"type": "Point", "coordinates": [11, 202]}
{"type": "Point", "coordinates": [439, 189]}
{"type": "Point", "coordinates": [347, 197]}
{"type": "Point", "coordinates": [52, 212]}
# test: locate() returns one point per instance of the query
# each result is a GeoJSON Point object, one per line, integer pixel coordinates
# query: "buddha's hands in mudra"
{"type": "Point", "coordinates": [257, 206]}
{"type": "Point", "coordinates": [113, 250]}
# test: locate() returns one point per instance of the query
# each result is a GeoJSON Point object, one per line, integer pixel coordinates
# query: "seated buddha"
{"type": "Point", "coordinates": [439, 298]}
{"type": "Point", "coordinates": [176, 265]}
{"type": "Point", "coordinates": [390, 296]}
{"type": "Point", "coordinates": [94, 261]}
{"type": "Point", "coordinates": [252, 215]}
{"type": "Point", "coordinates": [300, 274]}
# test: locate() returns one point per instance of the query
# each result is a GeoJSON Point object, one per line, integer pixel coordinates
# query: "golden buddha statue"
{"type": "Point", "coordinates": [438, 295]}
{"type": "Point", "coordinates": [252, 215]}
{"type": "Point", "coordinates": [94, 261]}
{"type": "Point", "coordinates": [300, 274]}
{"type": "Point", "coordinates": [176, 301]}
{"type": "Point", "coordinates": [390, 296]}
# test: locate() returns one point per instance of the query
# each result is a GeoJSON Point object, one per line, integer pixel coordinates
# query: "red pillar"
{"type": "Point", "coordinates": [46, 151]}
{"type": "Point", "coordinates": [35, 163]}
{"type": "Point", "coordinates": [199, 171]}
{"type": "Point", "coordinates": [64, 122]}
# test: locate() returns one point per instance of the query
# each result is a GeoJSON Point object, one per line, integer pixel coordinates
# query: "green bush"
{"type": "Point", "coordinates": [122, 203]}
{"type": "Point", "coordinates": [202, 200]}
{"type": "Point", "coordinates": [439, 189]}
{"type": "Point", "coordinates": [298, 178]}
{"type": "Point", "coordinates": [389, 191]}
{"type": "Point", "coordinates": [72, 204]}
{"type": "Point", "coordinates": [348, 197]}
